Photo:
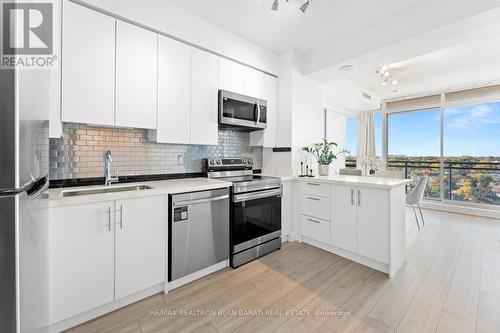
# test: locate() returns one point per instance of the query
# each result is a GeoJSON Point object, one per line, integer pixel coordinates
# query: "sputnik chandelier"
{"type": "Point", "coordinates": [385, 76]}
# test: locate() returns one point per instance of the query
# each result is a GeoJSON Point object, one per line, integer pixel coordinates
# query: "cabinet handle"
{"type": "Point", "coordinates": [352, 197]}
{"type": "Point", "coordinates": [313, 184]}
{"type": "Point", "coordinates": [109, 218]}
{"type": "Point", "coordinates": [314, 221]}
{"type": "Point", "coordinates": [315, 199]}
{"type": "Point", "coordinates": [121, 216]}
{"type": "Point", "coordinates": [359, 198]}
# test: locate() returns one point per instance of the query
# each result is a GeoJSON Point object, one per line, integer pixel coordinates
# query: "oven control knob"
{"type": "Point", "coordinates": [218, 162]}
{"type": "Point", "coordinates": [211, 162]}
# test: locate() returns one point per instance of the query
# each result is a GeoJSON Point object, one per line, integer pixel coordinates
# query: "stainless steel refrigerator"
{"type": "Point", "coordinates": [23, 209]}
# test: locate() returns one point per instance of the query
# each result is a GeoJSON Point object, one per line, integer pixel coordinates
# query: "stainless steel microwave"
{"type": "Point", "coordinates": [245, 112]}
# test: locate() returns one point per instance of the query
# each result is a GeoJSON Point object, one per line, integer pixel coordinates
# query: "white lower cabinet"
{"type": "Point", "coordinates": [373, 223]}
{"type": "Point", "coordinates": [81, 258]}
{"type": "Point", "coordinates": [315, 228]}
{"type": "Point", "coordinates": [360, 220]}
{"type": "Point", "coordinates": [140, 244]}
{"type": "Point", "coordinates": [343, 217]}
{"type": "Point", "coordinates": [103, 251]}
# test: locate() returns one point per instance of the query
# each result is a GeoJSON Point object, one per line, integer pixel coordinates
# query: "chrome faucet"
{"type": "Point", "coordinates": [107, 170]}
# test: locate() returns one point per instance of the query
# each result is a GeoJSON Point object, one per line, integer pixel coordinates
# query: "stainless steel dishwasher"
{"type": "Point", "coordinates": [198, 231]}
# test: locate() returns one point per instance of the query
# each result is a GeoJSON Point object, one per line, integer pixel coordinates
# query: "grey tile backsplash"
{"type": "Point", "coordinates": [80, 153]}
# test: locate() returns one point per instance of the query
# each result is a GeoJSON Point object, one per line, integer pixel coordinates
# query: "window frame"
{"type": "Point", "coordinates": [443, 105]}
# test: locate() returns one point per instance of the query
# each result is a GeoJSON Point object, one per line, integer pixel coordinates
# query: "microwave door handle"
{"type": "Point", "coordinates": [258, 113]}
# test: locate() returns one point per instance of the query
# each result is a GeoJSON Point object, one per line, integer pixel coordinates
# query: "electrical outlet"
{"type": "Point", "coordinates": [180, 159]}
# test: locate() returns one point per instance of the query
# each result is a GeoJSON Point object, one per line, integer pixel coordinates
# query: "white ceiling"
{"type": "Point", "coordinates": [326, 21]}
{"type": "Point", "coordinates": [472, 63]}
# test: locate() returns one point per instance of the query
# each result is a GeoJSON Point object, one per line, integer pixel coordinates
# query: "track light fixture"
{"type": "Point", "coordinates": [303, 8]}
{"type": "Point", "coordinates": [275, 6]}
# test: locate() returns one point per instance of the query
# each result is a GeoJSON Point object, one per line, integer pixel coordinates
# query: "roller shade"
{"type": "Point", "coordinates": [418, 103]}
{"type": "Point", "coordinates": [485, 94]}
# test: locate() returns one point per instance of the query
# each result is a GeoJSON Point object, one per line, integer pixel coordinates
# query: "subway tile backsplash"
{"type": "Point", "coordinates": [80, 153]}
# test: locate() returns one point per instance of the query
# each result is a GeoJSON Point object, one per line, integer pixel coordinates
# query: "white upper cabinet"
{"type": "Point", "coordinates": [231, 76]}
{"type": "Point", "coordinates": [266, 86]}
{"type": "Point", "coordinates": [204, 100]}
{"type": "Point", "coordinates": [136, 76]}
{"type": "Point", "coordinates": [254, 83]}
{"type": "Point", "coordinates": [88, 66]}
{"type": "Point", "coordinates": [174, 95]}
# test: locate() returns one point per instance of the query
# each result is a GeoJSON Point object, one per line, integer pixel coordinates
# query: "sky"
{"type": "Point", "coordinates": [469, 130]}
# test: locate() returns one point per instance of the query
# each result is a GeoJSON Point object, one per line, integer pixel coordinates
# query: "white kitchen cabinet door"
{"type": "Point", "coordinates": [140, 244]}
{"type": "Point", "coordinates": [88, 66]}
{"type": "Point", "coordinates": [343, 217]}
{"type": "Point", "coordinates": [231, 76]}
{"type": "Point", "coordinates": [267, 137]}
{"type": "Point", "coordinates": [286, 211]}
{"type": "Point", "coordinates": [81, 252]}
{"type": "Point", "coordinates": [254, 83]}
{"type": "Point", "coordinates": [136, 76]}
{"type": "Point", "coordinates": [315, 228]}
{"type": "Point", "coordinates": [204, 98]}
{"type": "Point", "coordinates": [174, 92]}
{"type": "Point", "coordinates": [373, 223]}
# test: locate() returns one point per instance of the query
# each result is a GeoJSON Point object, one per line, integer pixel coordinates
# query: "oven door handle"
{"type": "Point", "coordinates": [257, 195]}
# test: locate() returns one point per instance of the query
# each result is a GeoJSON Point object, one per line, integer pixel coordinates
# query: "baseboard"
{"type": "Point", "coordinates": [107, 308]}
{"type": "Point", "coordinates": [377, 265]}
{"type": "Point", "coordinates": [197, 275]}
{"type": "Point", "coordinates": [460, 209]}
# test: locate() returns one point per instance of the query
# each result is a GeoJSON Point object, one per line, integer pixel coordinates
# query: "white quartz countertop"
{"type": "Point", "coordinates": [369, 181]}
{"type": "Point", "coordinates": [162, 187]}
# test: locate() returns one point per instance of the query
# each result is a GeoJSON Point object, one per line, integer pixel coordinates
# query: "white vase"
{"type": "Point", "coordinates": [323, 170]}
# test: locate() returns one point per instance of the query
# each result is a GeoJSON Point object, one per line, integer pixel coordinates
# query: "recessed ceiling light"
{"type": "Point", "coordinates": [394, 82]}
{"type": "Point", "coordinates": [346, 68]}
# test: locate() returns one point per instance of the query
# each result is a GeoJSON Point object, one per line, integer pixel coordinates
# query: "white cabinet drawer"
{"type": "Point", "coordinates": [315, 188]}
{"type": "Point", "coordinates": [314, 228]}
{"type": "Point", "coordinates": [315, 206]}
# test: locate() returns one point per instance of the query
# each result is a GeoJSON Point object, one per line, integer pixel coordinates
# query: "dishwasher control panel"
{"type": "Point", "coordinates": [180, 214]}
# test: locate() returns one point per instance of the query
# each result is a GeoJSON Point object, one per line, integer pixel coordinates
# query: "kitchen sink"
{"type": "Point", "coordinates": [103, 190]}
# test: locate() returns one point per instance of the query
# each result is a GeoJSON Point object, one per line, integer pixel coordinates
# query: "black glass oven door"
{"type": "Point", "coordinates": [255, 218]}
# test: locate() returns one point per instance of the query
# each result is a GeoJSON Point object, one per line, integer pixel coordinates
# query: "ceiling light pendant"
{"type": "Point", "coordinates": [275, 6]}
{"type": "Point", "coordinates": [385, 76]}
{"type": "Point", "coordinates": [304, 6]}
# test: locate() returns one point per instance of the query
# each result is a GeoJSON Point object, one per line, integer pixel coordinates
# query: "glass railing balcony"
{"type": "Point", "coordinates": [466, 181]}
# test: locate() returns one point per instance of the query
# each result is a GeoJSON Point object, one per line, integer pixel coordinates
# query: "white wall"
{"type": "Point", "coordinates": [171, 20]}
{"type": "Point", "coordinates": [336, 132]}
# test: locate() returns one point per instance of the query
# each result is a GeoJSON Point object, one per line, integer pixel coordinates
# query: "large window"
{"type": "Point", "coordinates": [472, 153]}
{"type": "Point", "coordinates": [457, 147]}
{"type": "Point", "coordinates": [414, 146]}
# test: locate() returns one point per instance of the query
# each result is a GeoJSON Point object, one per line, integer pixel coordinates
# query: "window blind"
{"type": "Point", "coordinates": [418, 103]}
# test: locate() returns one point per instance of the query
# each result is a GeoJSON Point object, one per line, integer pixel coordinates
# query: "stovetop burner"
{"type": "Point", "coordinates": [239, 172]}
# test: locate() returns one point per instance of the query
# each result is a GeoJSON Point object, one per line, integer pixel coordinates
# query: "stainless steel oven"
{"type": "Point", "coordinates": [255, 222]}
{"type": "Point", "coordinates": [236, 110]}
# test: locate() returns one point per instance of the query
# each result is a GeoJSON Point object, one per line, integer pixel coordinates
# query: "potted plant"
{"type": "Point", "coordinates": [323, 152]}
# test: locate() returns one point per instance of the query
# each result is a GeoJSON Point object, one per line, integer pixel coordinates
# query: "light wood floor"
{"type": "Point", "coordinates": [450, 283]}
